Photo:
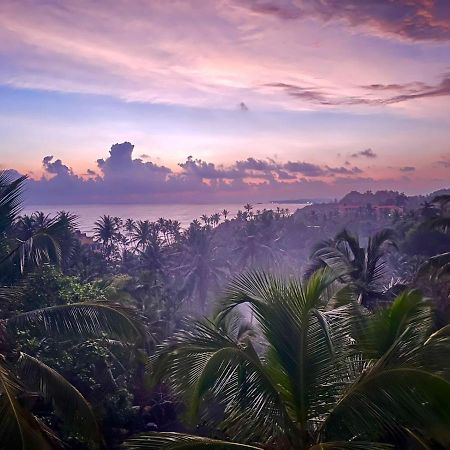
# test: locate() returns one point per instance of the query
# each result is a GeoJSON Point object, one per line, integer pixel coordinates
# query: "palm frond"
{"type": "Point", "coordinates": [178, 441]}
{"type": "Point", "coordinates": [68, 402]}
{"type": "Point", "coordinates": [381, 330]}
{"type": "Point", "coordinates": [305, 341]}
{"type": "Point", "coordinates": [18, 428]}
{"type": "Point", "coordinates": [84, 319]}
{"type": "Point", "coordinates": [389, 398]}
{"type": "Point", "coordinates": [10, 199]}
{"type": "Point", "coordinates": [203, 359]}
{"type": "Point", "coordinates": [351, 445]}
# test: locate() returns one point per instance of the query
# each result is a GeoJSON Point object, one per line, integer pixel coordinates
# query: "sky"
{"type": "Point", "coordinates": [224, 100]}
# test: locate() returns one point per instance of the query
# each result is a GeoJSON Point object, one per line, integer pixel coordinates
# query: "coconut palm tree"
{"type": "Point", "coordinates": [107, 233]}
{"type": "Point", "coordinates": [154, 253]}
{"type": "Point", "coordinates": [141, 234]}
{"type": "Point", "coordinates": [215, 218]}
{"type": "Point", "coordinates": [200, 268]}
{"type": "Point", "coordinates": [205, 219]}
{"type": "Point", "coordinates": [129, 226]}
{"type": "Point", "coordinates": [28, 241]}
{"type": "Point", "coordinates": [225, 214]}
{"type": "Point", "coordinates": [364, 267]}
{"type": "Point", "coordinates": [254, 249]}
{"type": "Point", "coordinates": [316, 377]}
{"type": "Point", "coordinates": [67, 241]}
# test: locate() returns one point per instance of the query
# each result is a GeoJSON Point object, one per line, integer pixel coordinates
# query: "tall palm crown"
{"type": "Point", "coordinates": [317, 376]}
{"type": "Point", "coordinates": [199, 268]}
{"type": "Point", "coordinates": [107, 232]}
{"type": "Point", "coordinates": [255, 246]}
{"type": "Point", "coordinates": [364, 267]}
{"type": "Point", "coordinates": [28, 241]}
{"type": "Point", "coordinates": [142, 233]}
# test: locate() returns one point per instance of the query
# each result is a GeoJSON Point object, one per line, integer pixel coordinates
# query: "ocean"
{"type": "Point", "coordinates": [184, 213]}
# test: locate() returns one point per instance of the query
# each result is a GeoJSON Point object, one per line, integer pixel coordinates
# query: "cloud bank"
{"type": "Point", "coordinates": [121, 179]}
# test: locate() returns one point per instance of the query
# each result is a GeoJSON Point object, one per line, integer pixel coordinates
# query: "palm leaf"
{"type": "Point", "coordinates": [390, 398]}
{"type": "Point", "coordinates": [354, 445]}
{"type": "Point", "coordinates": [178, 441]}
{"type": "Point", "coordinates": [68, 402]}
{"type": "Point", "coordinates": [204, 359]}
{"type": "Point", "coordinates": [84, 319]}
{"type": "Point", "coordinates": [18, 428]}
{"type": "Point", "coordinates": [306, 344]}
{"type": "Point", "coordinates": [10, 199]}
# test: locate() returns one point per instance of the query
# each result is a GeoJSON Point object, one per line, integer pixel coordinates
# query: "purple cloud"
{"type": "Point", "coordinates": [256, 164]}
{"type": "Point", "coordinates": [407, 169]}
{"type": "Point", "coordinates": [343, 170]}
{"type": "Point", "coordinates": [406, 19]}
{"type": "Point", "coordinates": [205, 170]}
{"type": "Point", "coordinates": [306, 169]}
{"type": "Point", "coordinates": [403, 93]}
{"type": "Point", "coordinates": [444, 163]}
{"type": "Point", "coordinates": [56, 167]}
{"type": "Point", "coordinates": [124, 179]}
{"type": "Point", "coordinates": [367, 153]}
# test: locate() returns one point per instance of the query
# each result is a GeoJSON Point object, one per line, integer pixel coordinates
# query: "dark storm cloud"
{"type": "Point", "coordinates": [413, 20]}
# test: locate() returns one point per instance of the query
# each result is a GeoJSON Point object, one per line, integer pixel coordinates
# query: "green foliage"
{"type": "Point", "coordinates": [318, 375]}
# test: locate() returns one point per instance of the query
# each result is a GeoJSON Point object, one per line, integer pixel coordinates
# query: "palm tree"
{"type": "Point", "coordinates": [68, 224]}
{"type": "Point", "coordinates": [364, 267]}
{"type": "Point", "coordinates": [28, 241]}
{"type": "Point", "coordinates": [129, 226]}
{"type": "Point", "coordinates": [317, 377]}
{"type": "Point", "coordinates": [215, 218]}
{"type": "Point", "coordinates": [154, 252]}
{"type": "Point", "coordinates": [107, 233]}
{"type": "Point", "coordinates": [254, 249]}
{"type": "Point", "coordinates": [225, 214]}
{"type": "Point", "coordinates": [200, 269]}
{"type": "Point", "coordinates": [205, 219]}
{"type": "Point", "coordinates": [141, 234]}
{"type": "Point", "coordinates": [248, 209]}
